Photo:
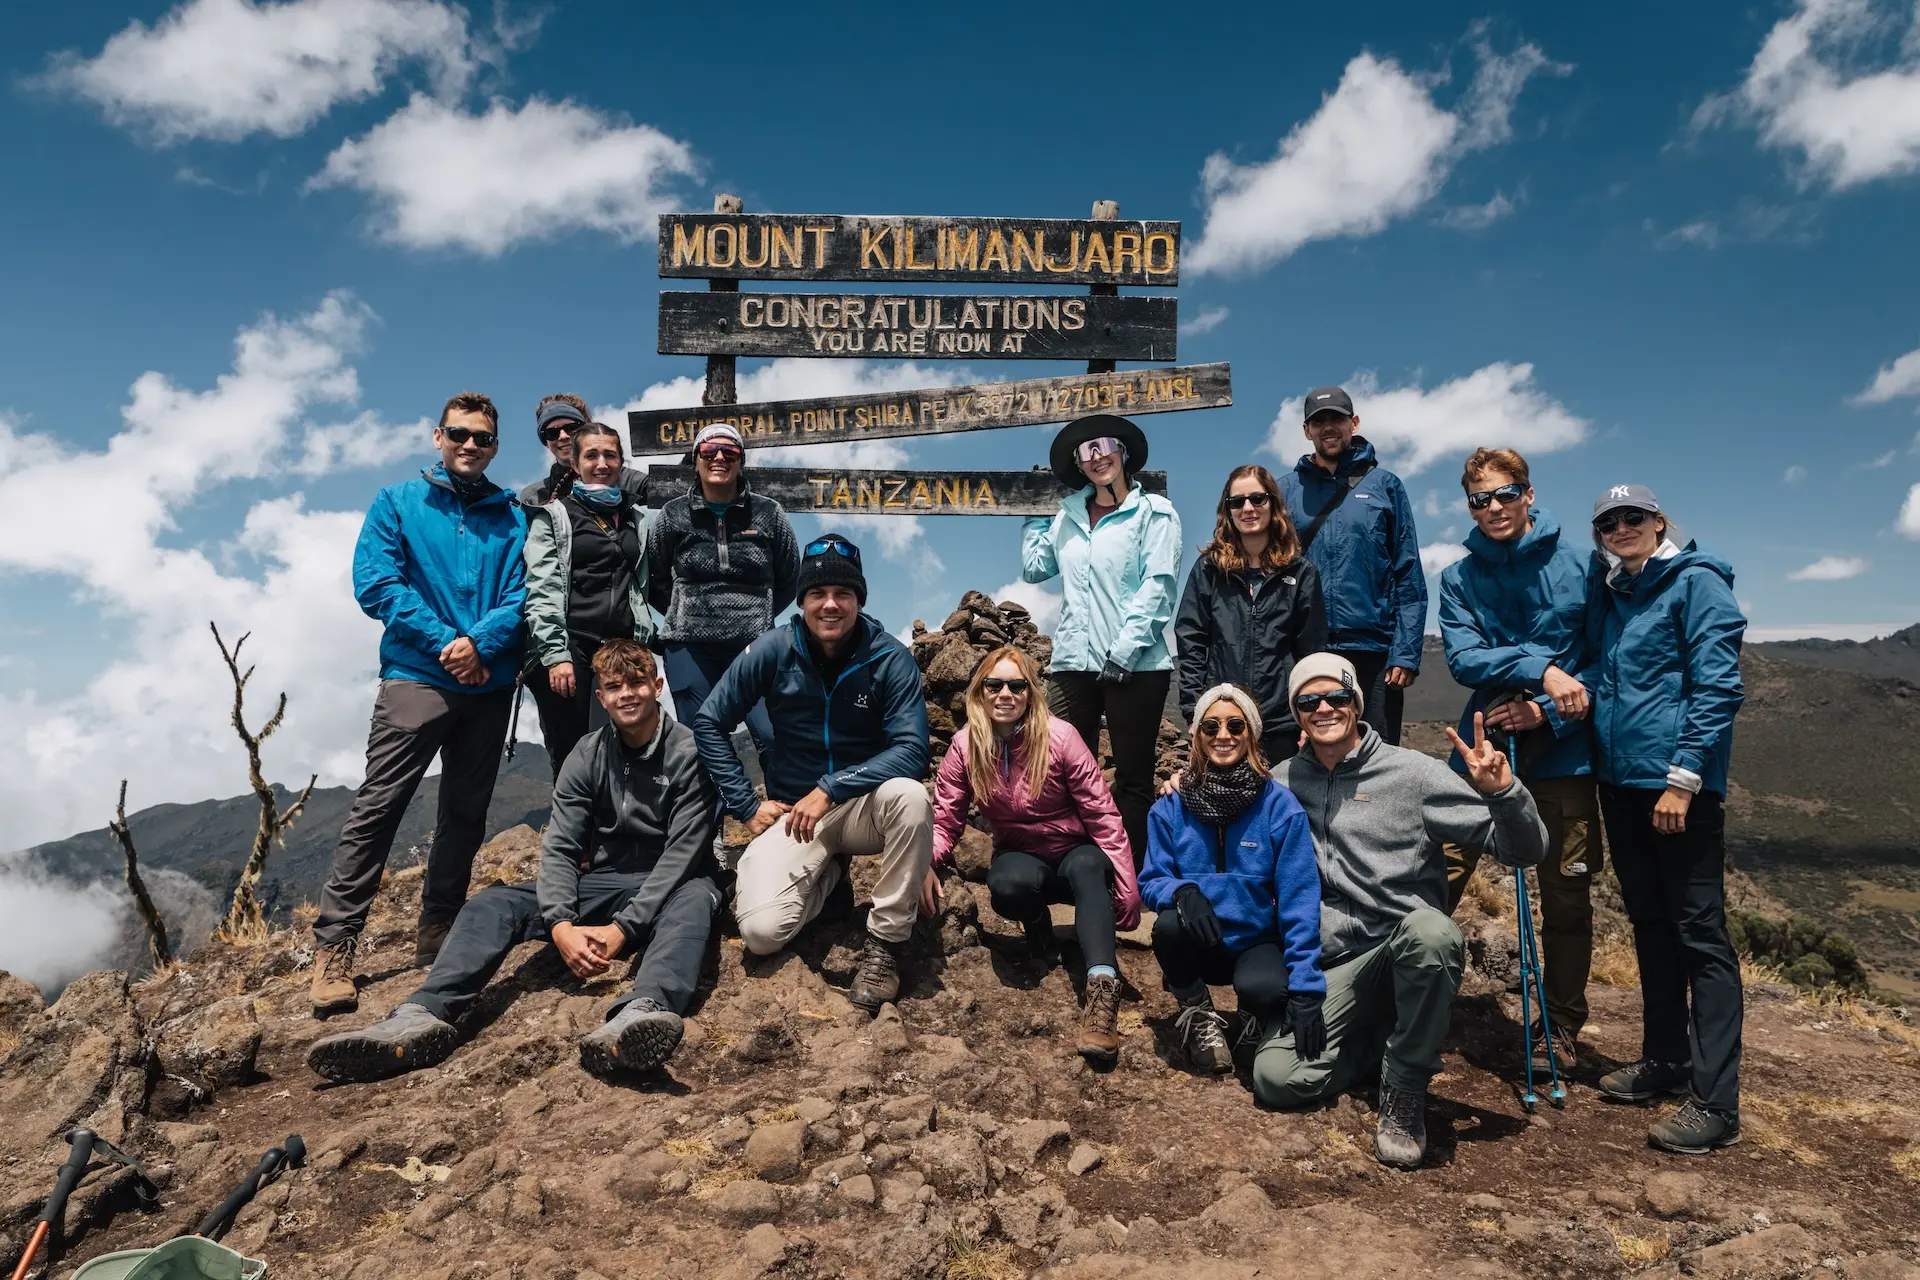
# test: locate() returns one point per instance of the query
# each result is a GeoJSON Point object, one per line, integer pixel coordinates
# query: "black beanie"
{"type": "Point", "coordinates": [830, 567]}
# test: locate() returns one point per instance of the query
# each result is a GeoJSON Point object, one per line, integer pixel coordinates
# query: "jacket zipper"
{"type": "Point", "coordinates": [1220, 847]}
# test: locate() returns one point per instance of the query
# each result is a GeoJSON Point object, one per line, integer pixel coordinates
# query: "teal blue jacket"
{"type": "Point", "coordinates": [1120, 581]}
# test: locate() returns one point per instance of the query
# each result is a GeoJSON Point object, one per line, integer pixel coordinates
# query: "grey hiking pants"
{"type": "Point", "coordinates": [412, 723]}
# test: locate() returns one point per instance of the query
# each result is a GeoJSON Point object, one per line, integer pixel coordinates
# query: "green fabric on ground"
{"type": "Point", "coordinates": [186, 1258]}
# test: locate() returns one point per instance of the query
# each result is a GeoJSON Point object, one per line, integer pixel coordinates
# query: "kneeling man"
{"type": "Point", "coordinates": [625, 866]}
{"type": "Point", "coordinates": [1381, 816]}
{"type": "Point", "coordinates": [844, 777]}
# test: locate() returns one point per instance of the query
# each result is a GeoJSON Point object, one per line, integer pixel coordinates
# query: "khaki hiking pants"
{"type": "Point", "coordinates": [781, 883]}
{"type": "Point", "coordinates": [1570, 808]}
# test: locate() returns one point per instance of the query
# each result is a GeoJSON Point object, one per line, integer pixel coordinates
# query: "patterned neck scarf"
{"type": "Point", "coordinates": [1219, 796]}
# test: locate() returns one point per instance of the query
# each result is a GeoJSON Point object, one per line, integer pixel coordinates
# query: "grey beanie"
{"type": "Point", "coordinates": [1326, 666]}
{"type": "Point", "coordinates": [1238, 697]}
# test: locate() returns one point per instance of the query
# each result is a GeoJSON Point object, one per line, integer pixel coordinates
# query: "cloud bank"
{"type": "Point", "coordinates": [1830, 569]}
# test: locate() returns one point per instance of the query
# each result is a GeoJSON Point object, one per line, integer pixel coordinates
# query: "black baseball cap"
{"type": "Point", "coordinates": [1322, 399]}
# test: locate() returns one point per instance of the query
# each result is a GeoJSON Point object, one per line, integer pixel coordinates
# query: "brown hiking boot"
{"type": "Point", "coordinates": [878, 979]}
{"type": "Point", "coordinates": [428, 937]}
{"type": "Point", "coordinates": [334, 990]}
{"type": "Point", "coordinates": [1099, 1030]}
{"type": "Point", "coordinates": [1203, 1037]}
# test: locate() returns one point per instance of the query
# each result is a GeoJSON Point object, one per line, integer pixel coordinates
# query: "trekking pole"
{"type": "Point", "coordinates": [83, 1145]}
{"type": "Point", "coordinates": [292, 1155]}
{"type": "Point", "coordinates": [1530, 987]}
{"type": "Point", "coordinates": [513, 721]}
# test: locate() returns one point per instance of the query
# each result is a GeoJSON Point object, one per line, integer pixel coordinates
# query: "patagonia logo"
{"type": "Point", "coordinates": [1249, 844]}
{"type": "Point", "coordinates": [1362, 797]}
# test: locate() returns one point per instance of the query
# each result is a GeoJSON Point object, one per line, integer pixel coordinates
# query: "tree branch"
{"type": "Point", "coordinates": [142, 901]}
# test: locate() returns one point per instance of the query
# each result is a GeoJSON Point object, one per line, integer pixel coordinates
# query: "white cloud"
{"type": "Point", "coordinates": [1830, 569]}
{"type": "Point", "coordinates": [1901, 378]}
{"type": "Point", "coordinates": [1884, 460]}
{"type": "Point", "coordinates": [1862, 631]}
{"type": "Point", "coordinates": [1439, 555]}
{"type": "Point", "coordinates": [1430, 505]}
{"type": "Point", "coordinates": [1813, 91]}
{"type": "Point", "coordinates": [1499, 406]}
{"type": "Point", "coordinates": [1206, 322]}
{"type": "Point", "coordinates": [1750, 222]}
{"type": "Point", "coordinates": [1043, 604]}
{"type": "Point", "coordinates": [1378, 148]}
{"type": "Point", "coordinates": [159, 714]}
{"type": "Point", "coordinates": [224, 69]}
{"type": "Point", "coordinates": [1794, 474]}
{"type": "Point", "coordinates": [444, 177]}
{"type": "Point", "coordinates": [1908, 523]}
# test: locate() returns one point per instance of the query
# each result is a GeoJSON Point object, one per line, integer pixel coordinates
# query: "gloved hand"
{"type": "Point", "coordinates": [1309, 1026]}
{"type": "Point", "coordinates": [1114, 673]}
{"type": "Point", "coordinates": [1196, 915]}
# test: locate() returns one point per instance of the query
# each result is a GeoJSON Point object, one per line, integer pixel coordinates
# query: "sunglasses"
{"type": "Point", "coordinates": [1210, 727]}
{"type": "Point", "coordinates": [554, 430]}
{"type": "Point", "coordinates": [1611, 520]}
{"type": "Point", "coordinates": [1239, 500]}
{"type": "Point", "coordinates": [1338, 699]}
{"type": "Point", "coordinates": [1506, 495]}
{"type": "Point", "coordinates": [840, 546]}
{"type": "Point", "coordinates": [994, 684]}
{"type": "Point", "coordinates": [1099, 447]}
{"type": "Point", "coordinates": [460, 435]}
{"type": "Point", "coordinates": [715, 450]}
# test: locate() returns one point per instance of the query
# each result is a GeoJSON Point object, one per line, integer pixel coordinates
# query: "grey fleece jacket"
{"type": "Point", "coordinates": [1379, 822]}
{"type": "Point", "coordinates": [647, 812]}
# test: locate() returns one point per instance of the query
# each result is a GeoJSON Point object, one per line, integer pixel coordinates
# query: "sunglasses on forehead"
{"type": "Point", "coordinates": [1338, 699]}
{"type": "Point", "coordinates": [994, 684]}
{"type": "Point", "coordinates": [1607, 521]}
{"type": "Point", "coordinates": [835, 544]}
{"type": "Point", "coordinates": [1506, 495]}
{"type": "Point", "coordinates": [460, 435]}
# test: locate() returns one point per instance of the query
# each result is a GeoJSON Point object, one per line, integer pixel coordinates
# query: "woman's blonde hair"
{"type": "Point", "coordinates": [1035, 749]}
{"type": "Point", "coordinates": [1196, 748]}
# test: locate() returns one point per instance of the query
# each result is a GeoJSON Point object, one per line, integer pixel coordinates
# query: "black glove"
{"type": "Point", "coordinates": [1309, 1026]}
{"type": "Point", "coordinates": [1196, 915]}
{"type": "Point", "coordinates": [1114, 673]}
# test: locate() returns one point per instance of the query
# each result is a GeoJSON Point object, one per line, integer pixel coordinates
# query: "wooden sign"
{"type": "Point", "coordinates": [825, 491]}
{"type": "Point", "coordinates": [973, 250]}
{"type": "Point", "coordinates": [884, 415]}
{"type": "Point", "coordinates": [928, 327]}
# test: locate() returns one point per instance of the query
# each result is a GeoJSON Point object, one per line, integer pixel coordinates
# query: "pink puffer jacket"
{"type": "Point", "coordinates": [1074, 807]}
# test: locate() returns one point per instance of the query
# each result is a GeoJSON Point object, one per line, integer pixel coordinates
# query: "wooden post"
{"type": "Point", "coordinates": [1104, 211]}
{"type": "Point", "coordinates": [722, 387]}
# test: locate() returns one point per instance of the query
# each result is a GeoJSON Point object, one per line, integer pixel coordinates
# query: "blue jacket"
{"type": "Point", "coordinates": [431, 569]}
{"type": "Point", "coordinates": [1368, 555]}
{"type": "Point", "coordinates": [871, 726]}
{"type": "Point", "coordinates": [1120, 580]}
{"type": "Point", "coordinates": [1665, 677]}
{"type": "Point", "coordinates": [1508, 612]}
{"type": "Point", "coordinates": [1258, 873]}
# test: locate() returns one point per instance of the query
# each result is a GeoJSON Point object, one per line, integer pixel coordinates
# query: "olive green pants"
{"type": "Point", "coordinates": [1570, 808]}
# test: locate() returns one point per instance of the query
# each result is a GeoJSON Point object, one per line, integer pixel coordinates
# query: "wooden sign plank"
{"type": "Point", "coordinates": [920, 326]}
{"type": "Point", "coordinates": [967, 250]}
{"type": "Point", "coordinates": [827, 491]}
{"type": "Point", "coordinates": [885, 415]}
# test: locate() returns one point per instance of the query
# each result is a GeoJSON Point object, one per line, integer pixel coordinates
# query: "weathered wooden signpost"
{"type": "Point", "coordinates": [1101, 327]}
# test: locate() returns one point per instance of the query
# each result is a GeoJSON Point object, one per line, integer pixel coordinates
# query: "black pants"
{"type": "Point", "coordinates": [1385, 704]}
{"type": "Point", "coordinates": [412, 723]}
{"type": "Point", "coordinates": [1674, 889]}
{"type": "Point", "coordinates": [1022, 885]}
{"type": "Point", "coordinates": [1258, 974]}
{"type": "Point", "coordinates": [693, 670]}
{"type": "Point", "coordinates": [503, 916]}
{"type": "Point", "coordinates": [564, 721]}
{"type": "Point", "coordinates": [1132, 712]}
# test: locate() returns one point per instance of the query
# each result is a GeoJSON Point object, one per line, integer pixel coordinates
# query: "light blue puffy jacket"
{"type": "Point", "coordinates": [1121, 580]}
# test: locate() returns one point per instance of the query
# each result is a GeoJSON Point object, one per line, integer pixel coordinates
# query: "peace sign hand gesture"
{"type": "Point", "coordinates": [1487, 766]}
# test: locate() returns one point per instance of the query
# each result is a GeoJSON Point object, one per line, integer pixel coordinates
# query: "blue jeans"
{"type": "Point", "coordinates": [693, 670]}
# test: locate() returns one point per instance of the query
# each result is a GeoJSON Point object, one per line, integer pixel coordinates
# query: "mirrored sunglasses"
{"type": "Point", "coordinates": [994, 684]}
{"type": "Point", "coordinates": [485, 439]}
{"type": "Point", "coordinates": [1607, 521]}
{"type": "Point", "coordinates": [1210, 727]}
{"type": "Point", "coordinates": [1506, 495]}
{"type": "Point", "coordinates": [840, 546]}
{"type": "Point", "coordinates": [1099, 447]}
{"type": "Point", "coordinates": [1338, 699]}
{"type": "Point", "coordinates": [717, 449]}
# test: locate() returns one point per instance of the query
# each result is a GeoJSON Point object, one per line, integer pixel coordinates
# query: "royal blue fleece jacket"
{"type": "Point", "coordinates": [432, 568]}
{"type": "Point", "coordinates": [869, 727]}
{"type": "Point", "coordinates": [1258, 873]}
{"type": "Point", "coordinates": [1367, 552]}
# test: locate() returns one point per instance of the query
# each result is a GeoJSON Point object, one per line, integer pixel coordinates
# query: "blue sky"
{"type": "Point", "coordinates": [251, 247]}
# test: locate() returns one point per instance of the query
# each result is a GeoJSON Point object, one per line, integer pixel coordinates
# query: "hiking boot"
{"type": "Point", "coordinates": [405, 1040]}
{"type": "Point", "coordinates": [1246, 1041]}
{"type": "Point", "coordinates": [334, 990]}
{"type": "Point", "coordinates": [1400, 1139]}
{"type": "Point", "coordinates": [1041, 944]}
{"type": "Point", "coordinates": [1099, 1021]}
{"type": "Point", "coordinates": [1566, 1048]}
{"type": "Point", "coordinates": [428, 938]}
{"type": "Point", "coordinates": [878, 978]}
{"type": "Point", "coordinates": [1695, 1130]}
{"type": "Point", "coordinates": [1203, 1038]}
{"type": "Point", "coordinates": [1645, 1080]}
{"type": "Point", "coordinates": [640, 1037]}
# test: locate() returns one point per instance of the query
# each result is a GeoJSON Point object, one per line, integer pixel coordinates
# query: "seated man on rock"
{"type": "Point", "coordinates": [625, 866]}
{"type": "Point", "coordinates": [844, 777]}
{"type": "Point", "coordinates": [1381, 816]}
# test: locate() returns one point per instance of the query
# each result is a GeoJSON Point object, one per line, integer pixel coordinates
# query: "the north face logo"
{"type": "Point", "coordinates": [1618, 491]}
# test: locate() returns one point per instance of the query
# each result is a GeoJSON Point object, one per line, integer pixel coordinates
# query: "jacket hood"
{"type": "Point", "coordinates": [1661, 570]}
{"type": "Point", "coordinates": [1359, 450]}
{"type": "Point", "coordinates": [1539, 541]}
{"type": "Point", "coordinates": [436, 475]}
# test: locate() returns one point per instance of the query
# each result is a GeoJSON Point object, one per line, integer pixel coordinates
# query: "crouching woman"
{"type": "Point", "coordinates": [1057, 836]}
{"type": "Point", "coordinates": [1231, 872]}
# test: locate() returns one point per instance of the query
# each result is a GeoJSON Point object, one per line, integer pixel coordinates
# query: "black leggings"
{"type": "Point", "coordinates": [564, 720]}
{"type": "Point", "coordinates": [1133, 712]}
{"type": "Point", "coordinates": [1258, 974]}
{"type": "Point", "coordinates": [1022, 885]}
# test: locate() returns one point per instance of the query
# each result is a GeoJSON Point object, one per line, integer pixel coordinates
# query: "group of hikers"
{"type": "Point", "coordinates": [1300, 855]}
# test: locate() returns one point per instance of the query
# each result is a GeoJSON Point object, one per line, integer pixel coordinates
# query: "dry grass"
{"type": "Point", "coordinates": [968, 1259]}
{"type": "Point", "coordinates": [1641, 1248]}
{"type": "Point", "coordinates": [708, 1184]}
{"type": "Point", "coordinates": [1615, 964]}
{"type": "Point", "coordinates": [1907, 1164]}
{"type": "Point", "coordinates": [1849, 1109]}
{"type": "Point", "coordinates": [1764, 1121]}
{"type": "Point", "coordinates": [1487, 1225]}
{"type": "Point", "coordinates": [778, 1115]}
{"type": "Point", "coordinates": [688, 1148]}
{"type": "Point", "coordinates": [1480, 889]}
{"type": "Point", "coordinates": [1130, 1021]}
{"type": "Point", "coordinates": [1338, 1144]}
{"type": "Point", "coordinates": [384, 1223]}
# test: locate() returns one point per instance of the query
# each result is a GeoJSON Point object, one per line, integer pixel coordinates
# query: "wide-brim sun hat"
{"type": "Point", "coordinates": [1066, 468]}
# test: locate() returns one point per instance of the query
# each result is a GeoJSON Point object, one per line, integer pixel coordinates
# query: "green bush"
{"type": "Point", "coordinates": [1807, 952]}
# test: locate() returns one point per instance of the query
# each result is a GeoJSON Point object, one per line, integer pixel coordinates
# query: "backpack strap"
{"type": "Point", "coordinates": [1312, 528]}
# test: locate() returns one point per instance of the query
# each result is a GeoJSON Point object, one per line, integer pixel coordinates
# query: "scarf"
{"type": "Point", "coordinates": [1219, 796]}
{"type": "Point", "coordinates": [604, 499]}
{"type": "Point", "coordinates": [468, 491]}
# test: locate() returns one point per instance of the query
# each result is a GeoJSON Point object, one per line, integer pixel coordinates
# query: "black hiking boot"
{"type": "Point", "coordinates": [407, 1039]}
{"type": "Point", "coordinates": [1645, 1080]}
{"type": "Point", "coordinates": [1695, 1130]}
{"type": "Point", "coordinates": [878, 979]}
{"type": "Point", "coordinates": [1400, 1138]}
{"type": "Point", "coordinates": [428, 937]}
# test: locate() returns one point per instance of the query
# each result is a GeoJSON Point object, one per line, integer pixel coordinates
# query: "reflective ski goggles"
{"type": "Point", "coordinates": [1210, 727]}
{"type": "Point", "coordinates": [1607, 521]}
{"type": "Point", "coordinates": [834, 543]}
{"type": "Point", "coordinates": [994, 684]}
{"type": "Point", "coordinates": [1098, 447]}
{"type": "Point", "coordinates": [1307, 703]}
{"type": "Point", "coordinates": [460, 435]}
{"type": "Point", "coordinates": [1506, 495]}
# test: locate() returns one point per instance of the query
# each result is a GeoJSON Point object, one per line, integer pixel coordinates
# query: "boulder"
{"type": "Point", "coordinates": [1021, 1144]}
{"type": "Point", "coordinates": [953, 1161]}
{"type": "Point", "coordinates": [1246, 1210]}
{"type": "Point", "coordinates": [214, 1046]}
{"type": "Point", "coordinates": [19, 1003]}
{"type": "Point", "coordinates": [747, 1200]}
{"type": "Point", "coordinates": [1772, 1254]}
{"type": "Point", "coordinates": [1674, 1195]}
{"type": "Point", "coordinates": [776, 1150]}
